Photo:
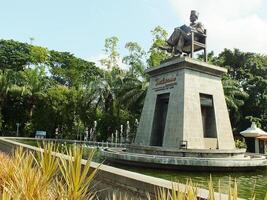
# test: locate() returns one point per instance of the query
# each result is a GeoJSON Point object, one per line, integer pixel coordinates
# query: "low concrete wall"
{"type": "Point", "coordinates": [193, 163]}
{"type": "Point", "coordinates": [198, 153]}
{"type": "Point", "coordinates": [110, 179]}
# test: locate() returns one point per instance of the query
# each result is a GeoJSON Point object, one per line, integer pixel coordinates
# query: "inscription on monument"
{"type": "Point", "coordinates": [164, 83]}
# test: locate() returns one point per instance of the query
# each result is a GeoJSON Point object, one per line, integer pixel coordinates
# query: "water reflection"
{"type": "Point", "coordinates": [247, 182]}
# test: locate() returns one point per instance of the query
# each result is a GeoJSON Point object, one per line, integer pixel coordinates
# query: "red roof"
{"type": "Point", "coordinates": [262, 137]}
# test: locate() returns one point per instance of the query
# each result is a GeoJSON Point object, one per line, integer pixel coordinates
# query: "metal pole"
{"type": "Point", "coordinates": [17, 133]}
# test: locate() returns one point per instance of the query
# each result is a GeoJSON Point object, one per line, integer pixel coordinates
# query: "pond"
{"type": "Point", "coordinates": [248, 182]}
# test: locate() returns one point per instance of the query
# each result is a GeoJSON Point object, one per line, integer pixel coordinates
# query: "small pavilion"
{"type": "Point", "coordinates": [256, 139]}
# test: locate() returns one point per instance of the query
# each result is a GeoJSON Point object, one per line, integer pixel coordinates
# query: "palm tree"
{"type": "Point", "coordinates": [234, 93]}
{"type": "Point", "coordinates": [132, 93]}
{"type": "Point", "coordinates": [4, 87]}
{"type": "Point", "coordinates": [34, 85]}
{"type": "Point", "coordinates": [235, 98]}
{"type": "Point", "coordinates": [104, 95]}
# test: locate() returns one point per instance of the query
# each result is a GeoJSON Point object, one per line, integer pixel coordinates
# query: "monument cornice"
{"type": "Point", "coordinates": [179, 63]}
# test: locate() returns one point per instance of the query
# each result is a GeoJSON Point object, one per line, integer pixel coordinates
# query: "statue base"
{"type": "Point", "coordinates": [185, 107]}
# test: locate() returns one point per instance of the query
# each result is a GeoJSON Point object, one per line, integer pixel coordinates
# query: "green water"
{"type": "Point", "coordinates": [247, 182]}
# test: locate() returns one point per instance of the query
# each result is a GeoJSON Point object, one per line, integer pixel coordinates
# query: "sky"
{"type": "Point", "coordinates": [81, 26]}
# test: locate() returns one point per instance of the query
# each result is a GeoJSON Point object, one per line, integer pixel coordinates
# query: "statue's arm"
{"type": "Point", "coordinates": [200, 28]}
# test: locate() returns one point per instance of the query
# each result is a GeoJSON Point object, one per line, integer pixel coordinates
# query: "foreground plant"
{"type": "Point", "coordinates": [190, 192]}
{"type": "Point", "coordinates": [77, 177]}
{"type": "Point", "coordinates": [48, 163]}
{"type": "Point", "coordinates": [44, 176]}
{"type": "Point", "coordinates": [26, 181]}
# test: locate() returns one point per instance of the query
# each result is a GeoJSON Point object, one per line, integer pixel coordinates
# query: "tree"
{"type": "Point", "coordinates": [14, 55]}
{"type": "Point", "coordinates": [135, 59]}
{"type": "Point", "coordinates": [34, 85]}
{"type": "Point", "coordinates": [133, 91]}
{"type": "Point", "coordinates": [247, 72]}
{"type": "Point", "coordinates": [112, 59]}
{"type": "Point", "coordinates": [56, 103]}
{"type": "Point", "coordinates": [39, 55]}
{"type": "Point", "coordinates": [235, 98]}
{"type": "Point", "coordinates": [155, 54]}
{"type": "Point", "coordinates": [45, 89]}
{"type": "Point", "coordinates": [70, 71]}
{"type": "Point", "coordinates": [4, 87]}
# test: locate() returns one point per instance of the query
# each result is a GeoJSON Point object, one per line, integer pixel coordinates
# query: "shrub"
{"type": "Point", "coordinates": [240, 144]}
{"type": "Point", "coordinates": [44, 176]}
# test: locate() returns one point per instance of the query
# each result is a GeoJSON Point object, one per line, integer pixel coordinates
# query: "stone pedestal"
{"type": "Point", "coordinates": [185, 107]}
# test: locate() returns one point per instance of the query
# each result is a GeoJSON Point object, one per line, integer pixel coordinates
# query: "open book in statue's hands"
{"type": "Point", "coordinates": [185, 28]}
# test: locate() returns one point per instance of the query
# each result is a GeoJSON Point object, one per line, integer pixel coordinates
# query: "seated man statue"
{"type": "Point", "coordinates": [182, 35]}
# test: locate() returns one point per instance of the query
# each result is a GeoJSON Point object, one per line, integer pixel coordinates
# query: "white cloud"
{"type": "Point", "coordinates": [229, 23]}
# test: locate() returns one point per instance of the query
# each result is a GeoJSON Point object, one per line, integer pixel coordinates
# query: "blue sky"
{"type": "Point", "coordinates": [81, 26]}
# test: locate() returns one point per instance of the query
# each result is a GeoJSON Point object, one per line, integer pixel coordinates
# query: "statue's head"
{"type": "Point", "coordinates": [193, 16]}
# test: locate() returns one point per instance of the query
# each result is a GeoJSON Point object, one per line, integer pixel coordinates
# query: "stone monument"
{"type": "Point", "coordinates": [185, 107]}
{"type": "Point", "coordinates": [184, 122]}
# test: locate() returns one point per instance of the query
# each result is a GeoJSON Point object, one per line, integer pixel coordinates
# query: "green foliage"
{"type": "Point", "coordinates": [245, 87]}
{"type": "Point", "coordinates": [132, 94]}
{"type": "Point", "coordinates": [77, 176]}
{"type": "Point", "coordinates": [1, 119]}
{"type": "Point", "coordinates": [111, 61]}
{"type": "Point", "coordinates": [135, 59]}
{"type": "Point", "coordinates": [155, 54]}
{"type": "Point", "coordinates": [240, 144]}
{"type": "Point", "coordinates": [70, 71]}
{"type": "Point", "coordinates": [39, 55]}
{"type": "Point", "coordinates": [28, 129]}
{"type": "Point", "coordinates": [44, 176]}
{"type": "Point", "coordinates": [14, 55]}
{"type": "Point", "coordinates": [47, 90]}
{"type": "Point", "coordinates": [234, 94]}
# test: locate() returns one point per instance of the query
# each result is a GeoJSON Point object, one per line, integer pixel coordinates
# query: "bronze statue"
{"type": "Point", "coordinates": [182, 36]}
